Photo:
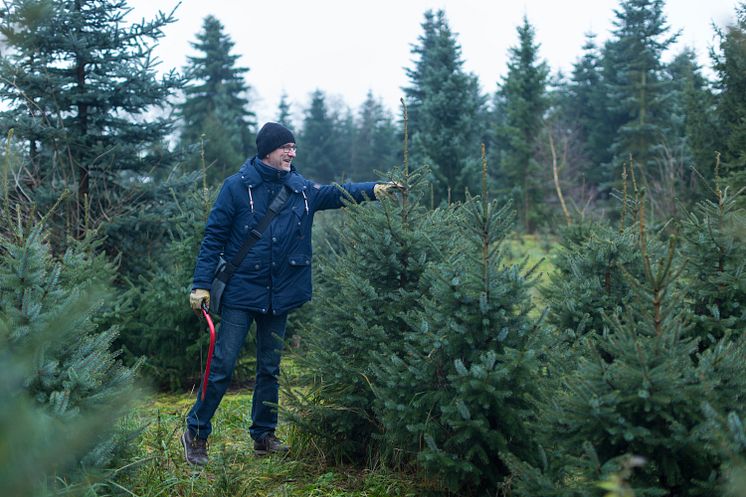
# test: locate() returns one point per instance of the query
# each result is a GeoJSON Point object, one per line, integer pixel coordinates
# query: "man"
{"type": "Point", "coordinates": [273, 278]}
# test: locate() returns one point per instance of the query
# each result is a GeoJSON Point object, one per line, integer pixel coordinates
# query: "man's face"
{"type": "Point", "coordinates": [281, 158]}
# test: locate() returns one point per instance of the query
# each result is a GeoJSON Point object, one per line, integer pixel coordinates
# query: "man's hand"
{"type": "Point", "coordinates": [384, 189]}
{"type": "Point", "coordinates": [196, 298]}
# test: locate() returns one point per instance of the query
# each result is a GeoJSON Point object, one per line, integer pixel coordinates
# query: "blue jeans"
{"type": "Point", "coordinates": [234, 326]}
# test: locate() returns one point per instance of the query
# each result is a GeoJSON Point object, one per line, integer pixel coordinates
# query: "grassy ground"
{"type": "Point", "coordinates": [537, 251]}
{"type": "Point", "coordinates": [156, 465]}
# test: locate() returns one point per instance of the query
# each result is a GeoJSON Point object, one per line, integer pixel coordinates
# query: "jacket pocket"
{"type": "Point", "coordinates": [299, 260]}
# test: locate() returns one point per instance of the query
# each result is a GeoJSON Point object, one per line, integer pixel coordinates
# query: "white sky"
{"type": "Point", "coordinates": [346, 48]}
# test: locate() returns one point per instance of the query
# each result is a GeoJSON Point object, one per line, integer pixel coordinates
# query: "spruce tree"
{"type": "Point", "coordinates": [587, 282]}
{"type": "Point", "coordinates": [283, 112]}
{"type": "Point", "coordinates": [80, 89]}
{"type": "Point", "coordinates": [174, 341]}
{"type": "Point", "coordinates": [714, 246]}
{"type": "Point", "coordinates": [523, 102]}
{"type": "Point", "coordinates": [637, 86]}
{"type": "Point", "coordinates": [216, 106]}
{"type": "Point", "coordinates": [693, 123]}
{"type": "Point", "coordinates": [317, 151]}
{"type": "Point", "coordinates": [366, 289]}
{"type": "Point", "coordinates": [635, 391]}
{"type": "Point", "coordinates": [456, 396]}
{"type": "Point", "coordinates": [729, 62]}
{"type": "Point", "coordinates": [444, 105]}
{"type": "Point", "coordinates": [376, 143]}
{"type": "Point", "coordinates": [585, 105]}
{"type": "Point", "coordinates": [51, 313]}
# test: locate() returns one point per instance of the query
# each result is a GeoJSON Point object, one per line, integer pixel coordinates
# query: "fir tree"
{"type": "Point", "coordinates": [283, 112]}
{"type": "Point", "coordinates": [344, 138]}
{"type": "Point", "coordinates": [588, 282]}
{"type": "Point", "coordinates": [523, 102]}
{"type": "Point", "coordinates": [693, 122]}
{"type": "Point", "coordinates": [637, 86]}
{"type": "Point", "coordinates": [173, 342]}
{"type": "Point", "coordinates": [80, 86]}
{"type": "Point", "coordinates": [585, 105]}
{"type": "Point", "coordinates": [714, 247]}
{"type": "Point", "coordinates": [366, 290]}
{"type": "Point", "coordinates": [730, 67]}
{"type": "Point", "coordinates": [729, 436]}
{"type": "Point", "coordinates": [50, 314]}
{"type": "Point", "coordinates": [635, 390]}
{"type": "Point", "coordinates": [444, 103]}
{"type": "Point", "coordinates": [316, 144]}
{"type": "Point", "coordinates": [216, 107]}
{"type": "Point", "coordinates": [376, 144]}
{"type": "Point", "coordinates": [456, 396]}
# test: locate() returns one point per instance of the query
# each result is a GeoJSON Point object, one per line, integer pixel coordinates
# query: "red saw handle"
{"type": "Point", "coordinates": [210, 350]}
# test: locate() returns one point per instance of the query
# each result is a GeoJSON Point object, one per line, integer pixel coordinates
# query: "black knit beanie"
{"type": "Point", "coordinates": [272, 136]}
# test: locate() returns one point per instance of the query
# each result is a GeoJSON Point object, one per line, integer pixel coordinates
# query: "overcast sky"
{"type": "Point", "coordinates": [346, 48]}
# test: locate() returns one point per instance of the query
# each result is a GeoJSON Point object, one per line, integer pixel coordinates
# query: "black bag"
{"type": "Point", "coordinates": [218, 285]}
{"type": "Point", "coordinates": [225, 269]}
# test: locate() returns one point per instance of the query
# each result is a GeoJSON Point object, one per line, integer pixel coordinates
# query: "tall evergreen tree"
{"type": "Point", "coordinates": [345, 135]}
{"type": "Point", "coordinates": [637, 86]}
{"type": "Point", "coordinates": [80, 86]}
{"type": "Point", "coordinates": [216, 109]}
{"type": "Point", "coordinates": [715, 248]}
{"type": "Point", "coordinates": [283, 112]}
{"type": "Point", "coordinates": [456, 396]}
{"type": "Point", "coordinates": [376, 145]}
{"type": "Point", "coordinates": [730, 66]}
{"type": "Point", "coordinates": [585, 106]}
{"type": "Point", "coordinates": [637, 389]}
{"type": "Point", "coordinates": [444, 106]}
{"type": "Point", "coordinates": [317, 151]}
{"type": "Point", "coordinates": [693, 120]}
{"type": "Point", "coordinates": [367, 289]}
{"type": "Point", "coordinates": [52, 306]}
{"type": "Point", "coordinates": [522, 100]}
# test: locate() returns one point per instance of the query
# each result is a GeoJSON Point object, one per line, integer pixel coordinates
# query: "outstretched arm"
{"type": "Point", "coordinates": [331, 196]}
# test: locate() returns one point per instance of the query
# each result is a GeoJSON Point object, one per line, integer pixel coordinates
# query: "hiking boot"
{"type": "Point", "coordinates": [195, 448]}
{"type": "Point", "coordinates": [270, 444]}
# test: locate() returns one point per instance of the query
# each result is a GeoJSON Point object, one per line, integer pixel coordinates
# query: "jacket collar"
{"type": "Point", "coordinates": [252, 178]}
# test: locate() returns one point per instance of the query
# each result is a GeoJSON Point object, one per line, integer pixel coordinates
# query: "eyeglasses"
{"type": "Point", "coordinates": [289, 148]}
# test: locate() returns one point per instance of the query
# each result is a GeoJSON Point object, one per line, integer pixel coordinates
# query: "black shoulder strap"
{"type": "Point", "coordinates": [256, 234]}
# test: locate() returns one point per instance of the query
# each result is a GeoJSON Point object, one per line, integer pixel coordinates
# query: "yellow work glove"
{"type": "Point", "coordinates": [196, 298]}
{"type": "Point", "coordinates": [384, 189]}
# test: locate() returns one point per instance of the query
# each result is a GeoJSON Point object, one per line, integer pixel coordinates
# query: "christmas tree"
{"type": "Point", "coordinates": [715, 248]}
{"type": "Point", "coordinates": [635, 391]}
{"type": "Point", "coordinates": [65, 380]}
{"type": "Point", "coordinates": [368, 287]}
{"type": "Point", "coordinates": [455, 396]}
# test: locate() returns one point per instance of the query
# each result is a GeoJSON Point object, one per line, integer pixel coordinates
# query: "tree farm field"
{"type": "Point", "coordinates": [155, 464]}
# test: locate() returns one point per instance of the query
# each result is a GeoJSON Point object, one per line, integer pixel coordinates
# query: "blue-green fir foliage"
{"type": "Point", "coordinates": [715, 248]}
{"type": "Point", "coordinates": [162, 328]}
{"type": "Point", "coordinates": [365, 290]}
{"type": "Point", "coordinates": [636, 390]}
{"type": "Point", "coordinates": [215, 111]}
{"type": "Point", "coordinates": [64, 379]}
{"type": "Point", "coordinates": [523, 101]}
{"type": "Point", "coordinates": [587, 281]}
{"type": "Point", "coordinates": [456, 396]}
{"type": "Point", "coordinates": [444, 104]}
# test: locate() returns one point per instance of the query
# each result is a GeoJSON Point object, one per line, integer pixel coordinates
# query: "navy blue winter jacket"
{"type": "Point", "coordinates": [275, 276]}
